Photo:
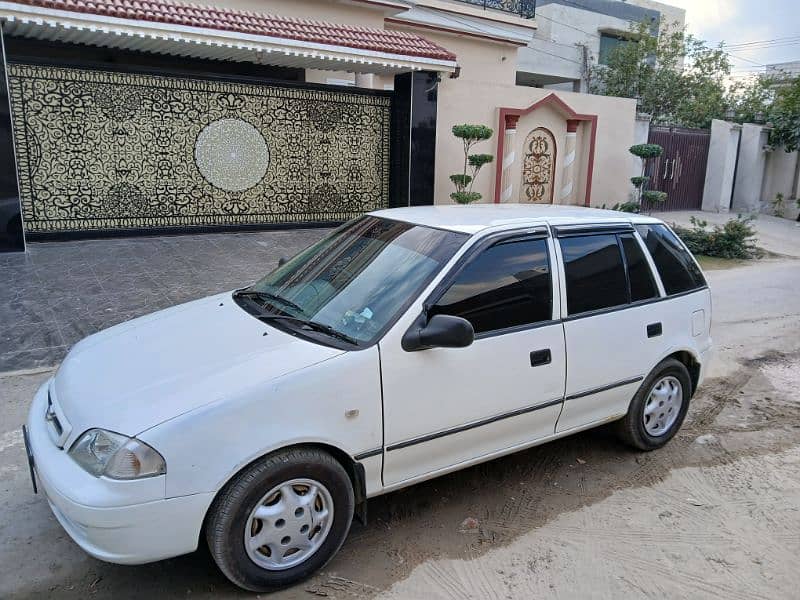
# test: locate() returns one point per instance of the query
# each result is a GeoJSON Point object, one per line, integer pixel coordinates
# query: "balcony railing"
{"type": "Point", "coordinates": [524, 8]}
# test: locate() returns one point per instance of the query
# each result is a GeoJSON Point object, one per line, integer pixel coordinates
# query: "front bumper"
{"type": "Point", "coordinates": [108, 518]}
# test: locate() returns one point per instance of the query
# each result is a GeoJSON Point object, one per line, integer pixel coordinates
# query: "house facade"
{"type": "Point", "coordinates": [121, 117]}
{"type": "Point", "coordinates": [574, 35]}
{"type": "Point", "coordinates": [784, 69]}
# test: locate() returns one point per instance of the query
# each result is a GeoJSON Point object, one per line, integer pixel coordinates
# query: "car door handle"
{"type": "Point", "coordinates": [540, 357]}
{"type": "Point", "coordinates": [654, 330]}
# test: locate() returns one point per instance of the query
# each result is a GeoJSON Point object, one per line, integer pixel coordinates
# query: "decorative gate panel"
{"type": "Point", "coordinates": [538, 166]}
{"type": "Point", "coordinates": [105, 150]}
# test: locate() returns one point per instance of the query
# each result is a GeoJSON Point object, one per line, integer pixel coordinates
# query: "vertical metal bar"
{"type": "Point", "coordinates": [4, 72]}
{"type": "Point", "coordinates": [735, 167]}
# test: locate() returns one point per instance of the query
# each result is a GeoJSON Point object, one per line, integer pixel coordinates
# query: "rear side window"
{"type": "Point", "coordinates": [507, 285]}
{"type": "Point", "coordinates": [595, 273]}
{"type": "Point", "coordinates": [678, 271]}
{"type": "Point", "coordinates": [639, 275]}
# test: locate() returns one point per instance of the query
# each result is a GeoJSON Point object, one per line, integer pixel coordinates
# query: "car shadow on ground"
{"type": "Point", "coordinates": [501, 499]}
{"type": "Point", "coordinates": [404, 527]}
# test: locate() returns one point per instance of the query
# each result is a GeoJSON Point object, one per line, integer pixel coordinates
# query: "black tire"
{"type": "Point", "coordinates": [227, 517]}
{"type": "Point", "coordinates": [631, 429]}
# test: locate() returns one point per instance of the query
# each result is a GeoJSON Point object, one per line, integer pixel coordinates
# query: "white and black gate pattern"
{"type": "Point", "coordinates": [101, 150]}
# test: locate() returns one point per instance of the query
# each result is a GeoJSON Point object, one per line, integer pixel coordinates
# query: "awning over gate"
{"type": "Point", "coordinates": [177, 28]}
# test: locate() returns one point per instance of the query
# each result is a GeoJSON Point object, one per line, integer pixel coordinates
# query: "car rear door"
{"type": "Point", "coordinates": [684, 314]}
{"type": "Point", "coordinates": [446, 407]}
{"type": "Point", "coordinates": [611, 327]}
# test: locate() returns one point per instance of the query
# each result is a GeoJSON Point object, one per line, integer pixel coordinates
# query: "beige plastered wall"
{"type": "Point", "coordinates": [361, 14]}
{"type": "Point", "coordinates": [486, 84]}
{"type": "Point", "coordinates": [379, 82]}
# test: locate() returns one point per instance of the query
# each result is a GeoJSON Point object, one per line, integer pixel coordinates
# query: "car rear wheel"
{"type": "Point", "coordinates": [280, 519]}
{"type": "Point", "coordinates": [657, 410]}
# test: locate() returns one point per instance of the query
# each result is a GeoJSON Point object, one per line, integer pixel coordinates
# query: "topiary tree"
{"type": "Point", "coordinates": [469, 136]}
{"type": "Point", "coordinates": [646, 152]}
{"type": "Point", "coordinates": [678, 79]}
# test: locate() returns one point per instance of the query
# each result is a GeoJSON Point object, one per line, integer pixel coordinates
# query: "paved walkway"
{"type": "Point", "coordinates": [59, 292]}
{"type": "Point", "coordinates": [781, 236]}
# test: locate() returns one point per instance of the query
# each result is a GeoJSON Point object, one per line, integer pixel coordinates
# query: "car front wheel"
{"type": "Point", "coordinates": [280, 519]}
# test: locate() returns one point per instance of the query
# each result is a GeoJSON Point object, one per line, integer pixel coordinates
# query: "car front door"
{"type": "Point", "coordinates": [444, 407]}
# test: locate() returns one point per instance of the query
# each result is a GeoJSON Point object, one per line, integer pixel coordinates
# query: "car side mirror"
{"type": "Point", "coordinates": [282, 261]}
{"type": "Point", "coordinates": [441, 331]}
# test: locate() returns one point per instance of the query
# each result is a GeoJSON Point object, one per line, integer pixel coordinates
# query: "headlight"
{"type": "Point", "coordinates": [106, 453]}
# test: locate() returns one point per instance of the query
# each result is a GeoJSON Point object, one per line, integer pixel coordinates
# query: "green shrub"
{"type": "Point", "coordinates": [478, 160]}
{"type": "Point", "coordinates": [629, 207]}
{"type": "Point", "coordinates": [654, 196]}
{"type": "Point", "coordinates": [735, 239]}
{"type": "Point", "coordinates": [475, 133]}
{"type": "Point", "coordinates": [639, 181]}
{"type": "Point", "coordinates": [645, 151]}
{"type": "Point", "coordinates": [777, 205]}
{"type": "Point", "coordinates": [465, 197]}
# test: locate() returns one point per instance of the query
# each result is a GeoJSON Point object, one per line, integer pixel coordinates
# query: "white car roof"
{"type": "Point", "coordinates": [475, 218]}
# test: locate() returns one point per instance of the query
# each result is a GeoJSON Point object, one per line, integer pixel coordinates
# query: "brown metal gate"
{"type": "Point", "coordinates": [681, 170]}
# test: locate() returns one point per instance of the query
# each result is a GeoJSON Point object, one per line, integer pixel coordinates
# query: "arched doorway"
{"type": "Point", "coordinates": [538, 166]}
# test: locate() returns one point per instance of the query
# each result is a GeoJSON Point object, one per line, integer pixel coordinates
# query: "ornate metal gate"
{"type": "Point", "coordinates": [538, 166]}
{"type": "Point", "coordinates": [104, 150]}
{"type": "Point", "coordinates": [681, 169]}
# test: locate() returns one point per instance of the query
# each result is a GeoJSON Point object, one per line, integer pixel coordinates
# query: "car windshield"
{"type": "Point", "coordinates": [356, 281]}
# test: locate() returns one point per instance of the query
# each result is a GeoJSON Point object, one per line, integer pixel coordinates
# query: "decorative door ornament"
{"type": "Point", "coordinates": [538, 166]}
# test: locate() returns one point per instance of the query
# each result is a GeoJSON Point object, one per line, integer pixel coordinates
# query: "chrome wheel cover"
{"type": "Point", "coordinates": [662, 406]}
{"type": "Point", "coordinates": [289, 524]}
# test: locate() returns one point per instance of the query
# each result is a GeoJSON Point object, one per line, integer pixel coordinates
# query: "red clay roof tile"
{"type": "Point", "coordinates": [210, 17]}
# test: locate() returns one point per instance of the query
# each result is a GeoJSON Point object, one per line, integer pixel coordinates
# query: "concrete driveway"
{"type": "Point", "coordinates": [58, 293]}
{"type": "Point", "coordinates": [714, 514]}
{"type": "Point", "coordinates": [776, 235]}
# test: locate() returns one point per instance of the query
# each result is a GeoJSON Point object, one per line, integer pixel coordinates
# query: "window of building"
{"type": "Point", "coordinates": [507, 285]}
{"type": "Point", "coordinates": [678, 271]}
{"type": "Point", "coordinates": [608, 43]}
{"type": "Point", "coordinates": [643, 287]}
{"type": "Point", "coordinates": [595, 274]}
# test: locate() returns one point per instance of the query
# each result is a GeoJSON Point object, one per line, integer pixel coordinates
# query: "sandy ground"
{"type": "Point", "coordinates": [716, 513]}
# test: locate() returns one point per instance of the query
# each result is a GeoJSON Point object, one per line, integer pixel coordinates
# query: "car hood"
{"type": "Point", "coordinates": [138, 374]}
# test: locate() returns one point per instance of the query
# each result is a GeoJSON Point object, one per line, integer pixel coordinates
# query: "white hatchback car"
{"type": "Point", "coordinates": [406, 344]}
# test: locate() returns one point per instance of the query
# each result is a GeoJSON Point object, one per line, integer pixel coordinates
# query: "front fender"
{"type": "Point", "coordinates": [204, 448]}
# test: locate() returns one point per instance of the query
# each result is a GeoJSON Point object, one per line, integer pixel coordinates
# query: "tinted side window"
{"type": "Point", "coordinates": [641, 279]}
{"type": "Point", "coordinates": [678, 271]}
{"type": "Point", "coordinates": [595, 275]}
{"type": "Point", "coordinates": [507, 285]}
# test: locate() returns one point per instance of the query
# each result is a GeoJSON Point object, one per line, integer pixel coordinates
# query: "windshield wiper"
{"type": "Point", "coordinates": [313, 325]}
{"type": "Point", "coordinates": [271, 298]}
